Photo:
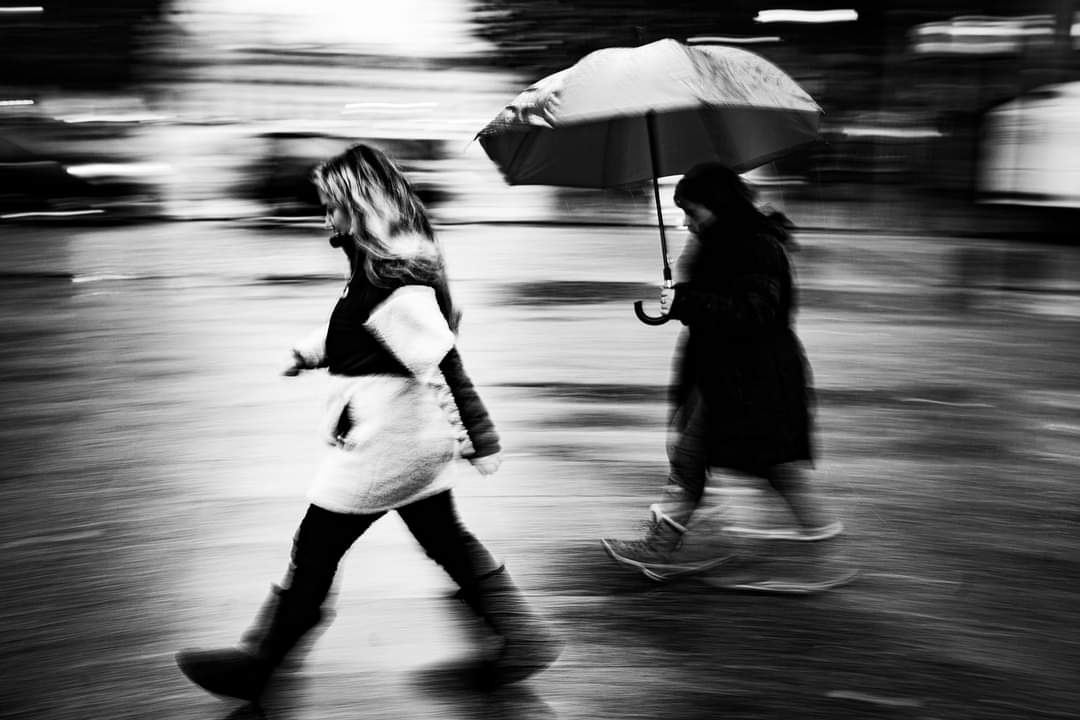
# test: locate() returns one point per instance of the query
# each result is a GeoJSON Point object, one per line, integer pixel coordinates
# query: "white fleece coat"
{"type": "Point", "coordinates": [405, 431]}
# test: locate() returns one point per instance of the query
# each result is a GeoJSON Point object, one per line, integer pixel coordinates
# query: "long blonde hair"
{"type": "Point", "coordinates": [388, 222]}
{"type": "Point", "coordinates": [387, 219]}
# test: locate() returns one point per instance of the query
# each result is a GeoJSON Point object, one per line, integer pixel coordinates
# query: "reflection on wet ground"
{"type": "Point", "coordinates": [564, 292]}
{"type": "Point", "coordinates": [154, 465]}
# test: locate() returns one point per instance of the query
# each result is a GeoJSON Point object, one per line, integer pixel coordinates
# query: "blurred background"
{"type": "Point", "coordinates": [161, 248]}
{"type": "Point", "coordinates": [958, 116]}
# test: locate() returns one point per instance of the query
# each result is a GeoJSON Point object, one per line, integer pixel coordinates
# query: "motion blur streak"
{"type": "Point", "coordinates": [161, 249]}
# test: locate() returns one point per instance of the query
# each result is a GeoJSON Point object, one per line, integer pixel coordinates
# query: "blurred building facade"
{"type": "Point", "coordinates": [916, 93]}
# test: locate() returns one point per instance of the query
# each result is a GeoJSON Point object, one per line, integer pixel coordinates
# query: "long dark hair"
{"type": "Point", "coordinates": [721, 190]}
{"type": "Point", "coordinates": [717, 187]}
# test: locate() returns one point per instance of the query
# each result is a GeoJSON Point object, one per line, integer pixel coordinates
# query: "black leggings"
{"type": "Point", "coordinates": [324, 537]}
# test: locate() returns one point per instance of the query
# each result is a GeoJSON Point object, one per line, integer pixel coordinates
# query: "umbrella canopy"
{"type": "Point", "coordinates": [589, 125]}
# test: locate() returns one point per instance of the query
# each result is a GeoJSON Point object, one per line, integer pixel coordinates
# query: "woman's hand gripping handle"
{"type": "Point", "coordinates": [667, 296]}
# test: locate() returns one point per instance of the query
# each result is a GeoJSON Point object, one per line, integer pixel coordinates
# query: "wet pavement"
{"type": "Point", "coordinates": [154, 462]}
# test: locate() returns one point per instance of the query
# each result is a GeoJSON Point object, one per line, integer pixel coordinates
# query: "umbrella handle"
{"type": "Point", "coordinates": [639, 310]}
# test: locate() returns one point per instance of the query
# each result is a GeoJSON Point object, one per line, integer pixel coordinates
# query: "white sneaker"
{"type": "Point", "coordinates": [800, 534]}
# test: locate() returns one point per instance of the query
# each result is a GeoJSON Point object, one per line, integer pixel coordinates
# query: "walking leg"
{"type": "Point", "coordinates": [529, 645]}
{"type": "Point", "coordinates": [288, 613]}
{"type": "Point", "coordinates": [792, 482]}
{"type": "Point", "coordinates": [679, 500]}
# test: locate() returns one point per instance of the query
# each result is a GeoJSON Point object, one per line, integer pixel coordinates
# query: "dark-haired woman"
{"type": "Point", "coordinates": [741, 395]}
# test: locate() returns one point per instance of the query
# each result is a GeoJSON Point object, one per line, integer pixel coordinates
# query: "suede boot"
{"type": "Point", "coordinates": [243, 671]}
{"type": "Point", "coordinates": [529, 644]}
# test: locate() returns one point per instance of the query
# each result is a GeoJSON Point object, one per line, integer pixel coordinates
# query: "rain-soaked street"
{"type": "Point", "coordinates": [154, 464]}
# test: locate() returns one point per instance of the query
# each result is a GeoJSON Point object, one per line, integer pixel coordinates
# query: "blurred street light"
{"type": "Point", "coordinates": [983, 35]}
{"type": "Point", "coordinates": [724, 40]}
{"type": "Point", "coordinates": [806, 16]}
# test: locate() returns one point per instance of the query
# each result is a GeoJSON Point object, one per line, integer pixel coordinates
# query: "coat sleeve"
{"type": "Point", "coordinates": [411, 326]}
{"type": "Point", "coordinates": [474, 415]}
{"type": "Point", "coordinates": [752, 298]}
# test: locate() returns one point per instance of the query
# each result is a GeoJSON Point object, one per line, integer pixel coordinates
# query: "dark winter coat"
{"type": "Point", "coordinates": [737, 300]}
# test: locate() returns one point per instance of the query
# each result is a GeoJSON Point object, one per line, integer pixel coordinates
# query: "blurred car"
{"type": "Point", "coordinates": [280, 178]}
{"type": "Point", "coordinates": [52, 167]}
{"type": "Point", "coordinates": [32, 184]}
{"type": "Point", "coordinates": [1030, 154]}
{"type": "Point", "coordinates": [875, 146]}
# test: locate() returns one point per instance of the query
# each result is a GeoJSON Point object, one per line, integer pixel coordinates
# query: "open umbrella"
{"type": "Point", "coordinates": [625, 115]}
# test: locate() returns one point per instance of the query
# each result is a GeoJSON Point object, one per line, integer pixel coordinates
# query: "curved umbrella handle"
{"type": "Point", "coordinates": [639, 310]}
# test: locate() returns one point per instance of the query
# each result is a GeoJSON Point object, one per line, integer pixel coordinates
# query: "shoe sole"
{"type": "Point", "coordinates": [785, 587]}
{"type": "Point", "coordinates": [658, 573]}
{"type": "Point", "coordinates": [540, 661]}
{"type": "Point", "coordinates": [792, 535]}
{"type": "Point", "coordinates": [622, 560]}
{"type": "Point", "coordinates": [216, 681]}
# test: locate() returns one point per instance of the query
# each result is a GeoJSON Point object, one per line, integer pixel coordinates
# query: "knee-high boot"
{"type": "Point", "coordinates": [529, 643]}
{"type": "Point", "coordinates": [244, 671]}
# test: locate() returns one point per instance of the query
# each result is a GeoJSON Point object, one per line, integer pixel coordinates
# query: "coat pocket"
{"type": "Point", "coordinates": [344, 425]}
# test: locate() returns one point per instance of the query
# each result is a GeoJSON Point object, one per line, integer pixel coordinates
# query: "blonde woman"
{"type": "Point", "coordinates": [401, 410]}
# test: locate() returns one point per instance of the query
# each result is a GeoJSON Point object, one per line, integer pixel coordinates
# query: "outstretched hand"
{"type": "Point", "coordinates": [297, 367]}
{"type": "Point", "coordinates": [487, 465]}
